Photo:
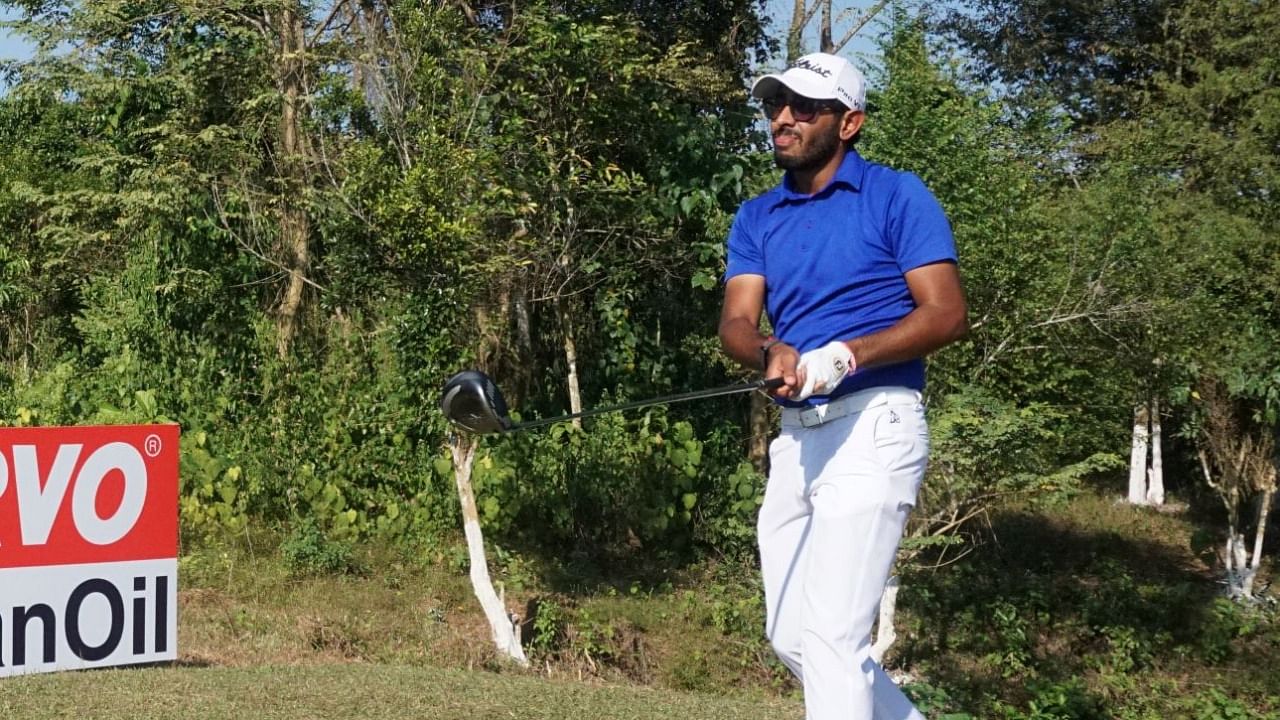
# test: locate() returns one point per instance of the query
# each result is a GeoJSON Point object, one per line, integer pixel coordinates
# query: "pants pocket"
{"type": "Point", "coordinates": [901, 438]}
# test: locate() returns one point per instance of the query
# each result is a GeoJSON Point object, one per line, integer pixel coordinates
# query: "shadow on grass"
{"type": "Point", "coordinates": [186, 663]}
{"type": "Point", "coordinates": [179, 663]}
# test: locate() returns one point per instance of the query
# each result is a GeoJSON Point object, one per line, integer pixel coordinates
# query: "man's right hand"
{"type": "Point", "coordinates": [741, 339]}
{"type": "Point", "coordinates": [783, 361]}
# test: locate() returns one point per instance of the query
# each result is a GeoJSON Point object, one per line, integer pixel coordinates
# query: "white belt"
{"type": "Point", "coordinates": [849, 404]}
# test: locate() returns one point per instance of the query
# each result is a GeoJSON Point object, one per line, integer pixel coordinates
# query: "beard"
{"type": "Point", "coordinates": [817, 149]}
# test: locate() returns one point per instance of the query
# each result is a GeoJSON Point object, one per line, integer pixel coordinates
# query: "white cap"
{"type": "Point", "coordinates": [819, 76]}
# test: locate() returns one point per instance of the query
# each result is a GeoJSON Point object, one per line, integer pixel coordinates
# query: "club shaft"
{"type": "Point", "coordinates": [681, 397]}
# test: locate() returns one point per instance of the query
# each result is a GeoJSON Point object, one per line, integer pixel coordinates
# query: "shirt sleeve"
{"type": "Point", "coordinates": [918, 228]}
{"type": "Point", "coordinates": [746, 255]}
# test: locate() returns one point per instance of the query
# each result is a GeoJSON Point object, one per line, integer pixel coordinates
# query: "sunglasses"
{"type": "Point", "coordinates": [803, 109]}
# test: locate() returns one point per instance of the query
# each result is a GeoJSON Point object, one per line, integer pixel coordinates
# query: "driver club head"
{"type": "Point", "coordinates": [471, 401]}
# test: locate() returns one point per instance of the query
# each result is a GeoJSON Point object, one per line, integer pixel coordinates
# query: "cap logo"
{"type": "Point", "coordinates": [805, 64]}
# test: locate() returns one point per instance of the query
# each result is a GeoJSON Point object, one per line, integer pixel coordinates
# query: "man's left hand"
{"type": "Point", "coordinates": [824, 368]}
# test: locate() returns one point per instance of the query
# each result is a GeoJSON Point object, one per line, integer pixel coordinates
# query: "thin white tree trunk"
{"type": "Point", "coordinates": [1233, 556]}
{"type": "Point", "coordinates": [1138, 457]}
{"type": "Point", "coordinates": [1229, 559]}
{"type": "Point", "coordinates": [1204, 465]}
{"type": "Point", "coordinates": [571, 359]}
{"type": "Point", "coordinates": [1264, 509]}
{"type": "Point", "coordinates": [524, 335]}
{"type": "Point", "coordinates": [505, 628]}
{"type": "Point", "coordinates": [1155, 479]}
{"type": "Point", "coordinates": [885, 633]}
{"type": "Point", "coordinates": [1237, 566]}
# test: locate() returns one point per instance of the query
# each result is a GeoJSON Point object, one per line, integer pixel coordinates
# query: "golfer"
{"type": "Point", "coordinates": [856, 267]}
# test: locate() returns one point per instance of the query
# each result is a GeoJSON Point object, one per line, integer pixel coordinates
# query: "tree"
{"type": "Point", "coordinates": [39, 140]}
{"type": "Point", "coordinates": [1244, 454]}
{"type": "Point", "coordinates": [160, 77]}
{"type": "Point", "coordinates": [503, 626]}
{"type": "Point", "coordinates": [1203, 137]}
{"type": "Point", "coordinates": [288, 223]}
{"type": "Point", "coordinates": [1090, 57]}
{"type": "Point", "coordinates": [287, 30]}
{"type": "Point", "coordinates": [847, 22]}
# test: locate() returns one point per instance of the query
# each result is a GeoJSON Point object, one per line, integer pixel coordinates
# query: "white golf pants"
{"type": "Point", "coordinates": [834, 511]}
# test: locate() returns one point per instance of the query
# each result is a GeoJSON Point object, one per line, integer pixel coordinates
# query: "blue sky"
{"type": "Point", "coordinates": [11, 48]}
{"type": "Point", "coordinates": [860, 48]}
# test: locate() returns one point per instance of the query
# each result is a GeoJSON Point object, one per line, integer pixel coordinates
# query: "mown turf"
{"type": "Point", "coordinates": [1087, 610]}
{"type": "Point", "coordinates": [371, 692]}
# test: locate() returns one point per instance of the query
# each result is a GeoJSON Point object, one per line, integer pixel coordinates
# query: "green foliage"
{"type": "Point", "coordinates": [985, 449]}
{"type": "Point", "coordinates": [549, 625]}
{"type": "Point", "coordinates": [596, 639]}
{"type": "Point", "coordinates": [213, 495]}
{"type": "Point", "coordinates": [933, 701]}
{"type": "Point", "coordinates": [1087, 55]}
{"type": "Point", "coordinates": [1010, 641]}
{"type": "Point", "coordinates": [579, 636]}
{"type": "Point", "coordinates": [623, 483]}
{"type": "Point", "coordinates": [1216, 705]}
{"type": "Point", "coordinates": [566, 162]}
{"type": "Point", "coordinates": [489, 192]}
{"type": "Point", "coordinates": [1078, 611]}
{"type": "Point", "coordinates": [1057, 701]}
{"type": "Point", "coordinates": [1007, 403]}
{"type": "Point", "coordinates": [307, 550]}
{"type": "Point", "coordinates": [728, 515]}
{"type": "Point", "coordinates": [736, 608]}
{"type": "Point", "coordinates": [1224, 624]}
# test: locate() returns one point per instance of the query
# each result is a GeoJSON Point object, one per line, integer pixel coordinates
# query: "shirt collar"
{"type": "Point", "coordinates": [851, 171]}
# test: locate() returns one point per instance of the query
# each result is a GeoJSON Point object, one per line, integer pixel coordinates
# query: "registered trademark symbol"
{"type": "Point", "coordinates": [152, 445]}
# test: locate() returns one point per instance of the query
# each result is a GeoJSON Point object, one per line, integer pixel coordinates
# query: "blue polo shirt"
{"type": "Point", "coordinates": [834, 261]}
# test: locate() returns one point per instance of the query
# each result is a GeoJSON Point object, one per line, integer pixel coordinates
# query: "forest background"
{"type": "Point", "coordinates": [284, 224]}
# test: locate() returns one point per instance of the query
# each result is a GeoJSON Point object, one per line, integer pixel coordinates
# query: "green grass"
{"type": "Point", "coordinates": [416, 608]}
{"type": "Point", "coordinates": [1087, 610]}
{"type": "Point", "coordinates": [354, 690]}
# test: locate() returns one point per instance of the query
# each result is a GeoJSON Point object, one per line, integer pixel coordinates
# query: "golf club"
{"type": "Point", "coordinates": [471, 401]}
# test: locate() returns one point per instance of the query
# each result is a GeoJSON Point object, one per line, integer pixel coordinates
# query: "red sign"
{"type": "Point", "coordinates": [88, 546]}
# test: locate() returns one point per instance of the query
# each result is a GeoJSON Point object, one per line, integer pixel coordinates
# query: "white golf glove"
{"type": "Point", "coordinates": [824, 368]}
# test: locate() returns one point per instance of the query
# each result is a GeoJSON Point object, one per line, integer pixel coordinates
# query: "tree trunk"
{"type": "Point", "coordinates": [1233, 557]}
{"type": "Point", "coordinates": [492, 320]}
{"type": "Point", "coordinates": [505, 628]}
{"type": "Point", "coordinates": [1237, 565]}
{"type": "Point", "coordinates": [1264, 509]}
{"type": "Point", "coordinates": [571, 359]}
{"type": "Point", "coordinates": [825, 43]}
{"type": "Point", "coordinates": [295, 225]}
{"type": "Point", "coordinates": [795, 34]}
{"type": "Point", "coordinates": [885, 634]}
{"type": "Point", "coordinates": [524, 336]}
{"type": "Point", "coordinates": [379, 71]}
{"type": "Point", "coordinates": [1138, 456]}
{"type": "Point", "coordinates": [758, 422]}
{"type": "Point", "coordinates": [1155, 479]}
